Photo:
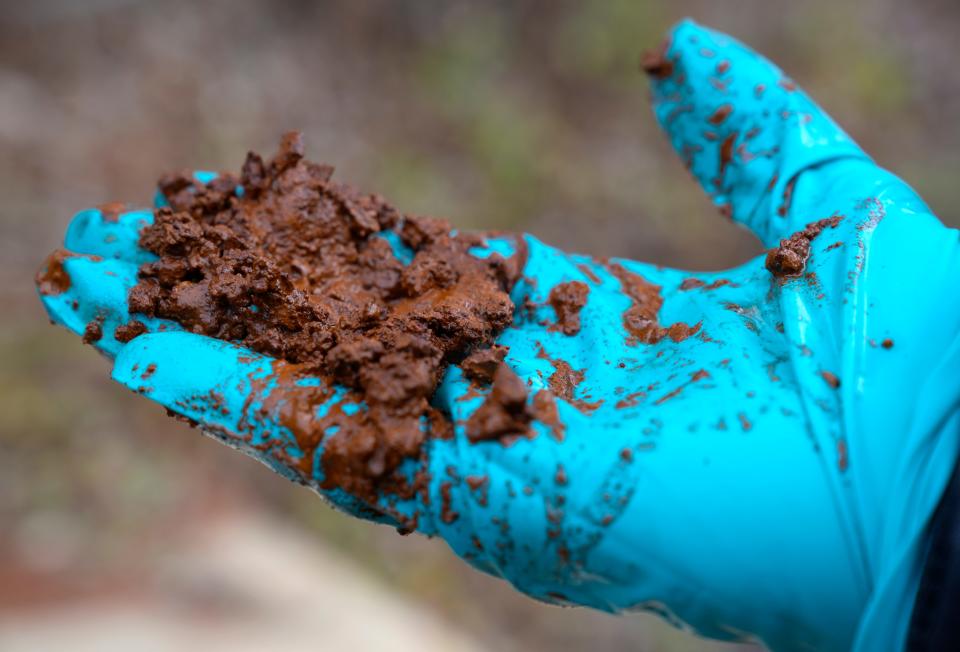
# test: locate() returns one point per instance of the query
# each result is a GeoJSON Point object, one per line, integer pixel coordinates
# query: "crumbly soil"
{"type": "Point", "coordinates": [505, 413]}
{"type": "Point", "coordinates": [481, 365]}
{"type": "Point", "coordinates": [294, 268]}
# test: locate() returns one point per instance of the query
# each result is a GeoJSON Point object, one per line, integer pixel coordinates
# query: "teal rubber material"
{"type": "Point", "coordinates": [769, 478]}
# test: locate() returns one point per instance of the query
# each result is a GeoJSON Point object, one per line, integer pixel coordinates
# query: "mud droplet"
{"type": "Point", "coordinates": [719, 116]}
{"type": "Point", "coordinates": [655, 62]}
{"type": "Point", "coordinates": [831, 379]}
{"type": "Point", "coordinates": [126, 332]}
{"type": "Point", "coordinates": [447, 514]}
{"type": "Point", "coordinates": [561, 475]}
{"type": "Point", "coordinates": [94, 331]}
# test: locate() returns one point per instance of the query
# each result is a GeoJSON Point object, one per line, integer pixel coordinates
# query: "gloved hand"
{"type": "Point", "coordinates": [753, 452]}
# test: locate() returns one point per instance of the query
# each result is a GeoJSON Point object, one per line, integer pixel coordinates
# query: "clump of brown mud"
{"type": "Point", "coordinates": [567, 300]}
{"type": "Point", "coordinates": [294, 267]}
{"type": "Point", "coordinates": [790, 258]}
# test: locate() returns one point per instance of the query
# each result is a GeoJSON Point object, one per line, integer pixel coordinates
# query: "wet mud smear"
{"type": "Point", "coordinates": [695, 283]}
{"type": "Point", "coordinates": [641, 319]}
{"type": "Point", "coordinates": [53, 278]}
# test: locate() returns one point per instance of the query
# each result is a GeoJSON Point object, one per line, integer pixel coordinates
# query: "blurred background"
{"type": "Point", "coordinates": [122, 529]}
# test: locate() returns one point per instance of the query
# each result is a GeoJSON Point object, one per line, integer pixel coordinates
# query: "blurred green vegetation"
{"type": "Point", "coordinates": [518, 115]}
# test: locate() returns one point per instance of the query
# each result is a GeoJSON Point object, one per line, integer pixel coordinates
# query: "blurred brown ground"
{"type": "Point", "coordinates": [521, 115]}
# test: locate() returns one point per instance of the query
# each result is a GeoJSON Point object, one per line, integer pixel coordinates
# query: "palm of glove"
{"type": "Point", "coordinates": [691, 407]}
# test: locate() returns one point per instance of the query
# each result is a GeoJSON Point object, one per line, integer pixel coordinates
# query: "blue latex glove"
{"type": "Point", "coordinates": [770, 476]}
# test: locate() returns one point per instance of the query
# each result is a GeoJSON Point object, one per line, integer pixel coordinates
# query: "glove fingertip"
{"type": "Point", "coordinates": [741, 126]}
{"type": "Point", "coordinates": [109, 231]}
